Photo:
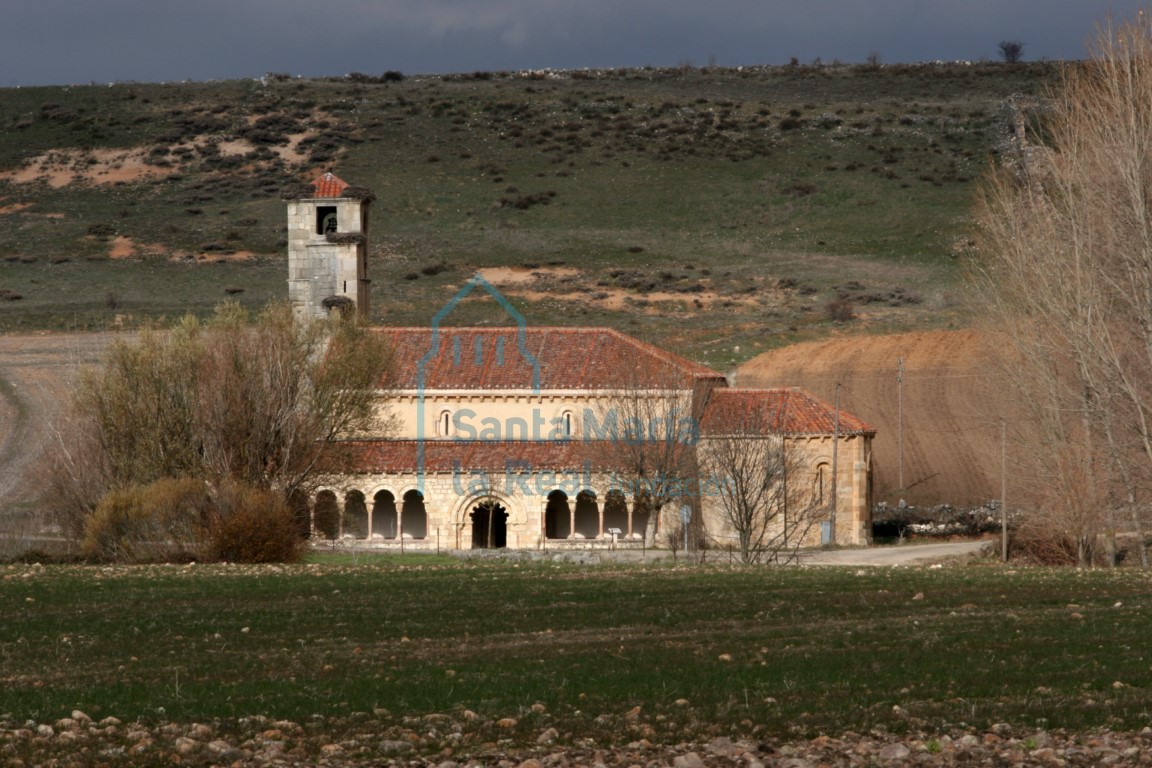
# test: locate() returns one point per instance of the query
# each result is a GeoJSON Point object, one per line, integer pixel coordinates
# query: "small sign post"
{"type": "Point", "coordinates": [615, 532]}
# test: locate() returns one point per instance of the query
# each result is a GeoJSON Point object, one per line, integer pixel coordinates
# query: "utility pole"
{"type": "Point", "coordinates": [835, 450]}
{"type": "Point", "coordinates": [900, 419]}
{"type": "Point", "coordinates": [1003, 493]}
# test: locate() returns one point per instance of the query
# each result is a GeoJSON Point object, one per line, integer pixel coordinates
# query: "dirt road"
{"type": "Point", "coordinates": [905, 554]}
{"type": "Point", "coordinates": [36, 375]}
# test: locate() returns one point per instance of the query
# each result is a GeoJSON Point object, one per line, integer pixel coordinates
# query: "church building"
{"type": "Point", "coordinates": [561, 437]}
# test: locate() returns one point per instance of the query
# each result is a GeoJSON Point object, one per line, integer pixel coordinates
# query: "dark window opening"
{"type": "Point", "coordinates": [587, 516]}
{"type": "Point", "coordinates": [355, 515]}
{"type": "Point", "coordinates": [325, 219]}
{"type": "Point", "coordinates": [557, 516]}
{"type": "Point", "coordinates": [384, 517]}
{"type": "Point", "coordinates": [414, 516]}
{"type": "Point", "coordinates": [489, 526]}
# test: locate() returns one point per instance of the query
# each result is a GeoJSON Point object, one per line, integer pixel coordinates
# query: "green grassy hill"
{"type": "Point", "coordinates": [715, 211]}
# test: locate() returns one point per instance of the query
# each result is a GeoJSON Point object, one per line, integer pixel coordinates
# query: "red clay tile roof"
{"type": "Point", "coordinates": [445, 456]}
{"type": "Point", "coordinates": [567, 359]}
{"type": "Point", "coordinates": [786, 411]}
{"type": "Point", "coordinates": [329, 185]}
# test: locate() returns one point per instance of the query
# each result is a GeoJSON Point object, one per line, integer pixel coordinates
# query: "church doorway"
{"type": "Point", "coordinates": [489, 525]}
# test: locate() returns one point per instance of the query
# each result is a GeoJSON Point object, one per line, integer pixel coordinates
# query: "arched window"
{"type": "Point", "coordinates": [587, 515]}
{"type": "Point", "coordinates": [326, 515]}
{"type": "Point", "coordinates": [616, 511]}
{"type": "Point", "coordinates": [557, 516]}
{"type": "Point", "coordinates": [355, 515]}
{"type": "Point", "coordinates": [821, 486]}
{"type": "Point", "coordinates": [384, 518]}
{"type": "Point", "coordinates": [414, 516]}
{"type": "Point", "coordinates": [444, 424]}
{"type": "Point", "coordinates": [568, 424]}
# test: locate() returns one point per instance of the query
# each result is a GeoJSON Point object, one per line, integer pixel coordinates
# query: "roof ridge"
{"type": "Point", "coordinates": [670, 357]}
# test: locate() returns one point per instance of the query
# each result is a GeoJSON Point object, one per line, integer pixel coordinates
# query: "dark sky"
{"type": "Point", "coordinates": [81, 41]}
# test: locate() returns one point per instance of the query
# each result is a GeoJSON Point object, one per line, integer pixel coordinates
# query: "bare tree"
{"type": "Point", "coordinates": [277, 393]}
{"type": "Point", "coordinates": [754, 474]}
{"type": "Point", "coordinates": [1065, 281]}
{"type": "Point", "coordinates": [650, 421]}
{"type": "Point", "coordinates": [256, 400]}
{"type": "Point", "coordinates": [1011, 51]}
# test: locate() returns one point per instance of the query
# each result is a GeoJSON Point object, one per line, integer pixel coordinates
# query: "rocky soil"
{"type": "Point", "coordinates": [468, 741]}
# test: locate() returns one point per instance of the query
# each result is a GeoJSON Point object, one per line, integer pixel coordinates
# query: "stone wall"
{"type": "Point", "coordinates": [317, 268]}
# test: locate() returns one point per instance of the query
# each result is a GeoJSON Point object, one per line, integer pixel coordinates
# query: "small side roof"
{"type": "Point", "coordinates": [783, 411]}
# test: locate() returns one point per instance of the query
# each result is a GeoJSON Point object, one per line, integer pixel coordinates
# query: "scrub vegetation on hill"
{"type": "Point", "coordinates": [719, 210]}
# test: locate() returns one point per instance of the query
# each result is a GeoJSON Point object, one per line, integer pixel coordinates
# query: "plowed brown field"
{"type": "Point", "coordinates": [952, 398]}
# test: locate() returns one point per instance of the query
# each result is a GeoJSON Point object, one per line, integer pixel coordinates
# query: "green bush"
{"type": "Point", "coordinates": [165, 520]}
{"type": "Point", "coordinates": [253, 525]}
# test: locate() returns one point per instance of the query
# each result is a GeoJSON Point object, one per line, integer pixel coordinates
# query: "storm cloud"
{"type": "Point", "coordinates": [81, 41]}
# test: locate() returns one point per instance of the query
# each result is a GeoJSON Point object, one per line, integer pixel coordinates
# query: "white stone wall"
{"type": "Point", "coordinates": [496, 415]}
{"type": "Point", "coordinates": [853, 491]}
{"type": "Point", "coordinates": [510, 416]}
{"type": "Point", "coordinates": [450, 498]}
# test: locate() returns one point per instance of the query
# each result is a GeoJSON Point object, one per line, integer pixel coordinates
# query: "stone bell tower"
{"type": "Point", "coordinates": [328, 247]}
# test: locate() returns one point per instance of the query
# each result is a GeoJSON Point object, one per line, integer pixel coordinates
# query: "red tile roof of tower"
{"type": "Point", "coordinates": [330, 185]}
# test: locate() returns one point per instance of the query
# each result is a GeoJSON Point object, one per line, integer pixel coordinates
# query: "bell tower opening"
{"type": "Point", "coordinates": [326, 219]}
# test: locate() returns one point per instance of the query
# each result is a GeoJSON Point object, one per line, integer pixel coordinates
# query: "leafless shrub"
{"type": "Point", "coordinates": [253, 525]}
{"type": "Point", "coordinates": [1062, 280]}
{"type": "Point", "coordinates": [758, 480]}
{"type": "Point", "coordinates": [162, 521]}
{"type": "Point", "coordinates": [260, 403]}
{"type": "Point", "coordinates": [431, 270]}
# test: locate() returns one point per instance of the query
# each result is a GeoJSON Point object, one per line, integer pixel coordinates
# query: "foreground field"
{"type": "Point", "coordinates": [607, 654]}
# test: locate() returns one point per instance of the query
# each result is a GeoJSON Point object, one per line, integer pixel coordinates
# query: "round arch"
{"type": "Point", "coordinates": [464, 504]}
{"type": "Point", "coordinates": [586, 507]}
{"type": "Point", "coordinates": [478, 528]}
{"type": "Point", "coordinates": [385, 518]}
{"type": "Point", "coordinates": [354, 516]}
{"type": "Point", "coordinates": [389, 487]}
{"type": "Point", "coordinates": [327, 509]}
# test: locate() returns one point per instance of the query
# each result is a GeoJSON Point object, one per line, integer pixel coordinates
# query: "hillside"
{"type": "Point", "coordinates": [718, 211]}
{"type": "Point", "coordinates": [952, 405]}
